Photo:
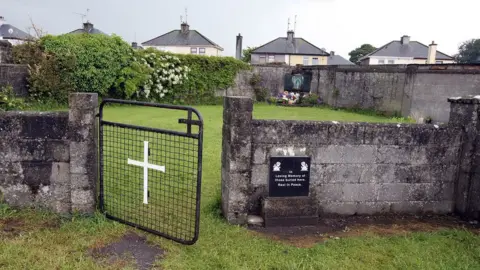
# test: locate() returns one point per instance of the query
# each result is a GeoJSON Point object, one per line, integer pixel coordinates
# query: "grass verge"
{"type": "Point", "coordinates": [65, 244]}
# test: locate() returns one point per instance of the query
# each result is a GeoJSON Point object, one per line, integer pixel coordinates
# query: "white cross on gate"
{"type": "Point", "coordinates": [145, 166]}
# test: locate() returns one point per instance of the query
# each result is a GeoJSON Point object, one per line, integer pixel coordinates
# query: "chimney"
{"type": "Point", "coordinates": [405, 40]}
{"type": "Point", "coordinates": [432, 53]}
{"type": "Point", "coordinates": [2, 20]}
{"type": "Point", "coordinates": [134, 45]}
{"type": "Point", "coordinates": [290, 36]}
{"type": "Point", "coordinates": [184, 28]}
{"type": "Point", "coordinates": [238, 54]}
{"type": "Point", "coordinates": [88, 27]}
{"type": "Point", "coordinates": [332, 53]}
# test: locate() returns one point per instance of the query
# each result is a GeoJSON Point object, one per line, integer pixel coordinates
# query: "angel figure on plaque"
{"type": "Point", "coordinates": [304, 167]}
{"type": "Point", "coordinates": [276, 167]}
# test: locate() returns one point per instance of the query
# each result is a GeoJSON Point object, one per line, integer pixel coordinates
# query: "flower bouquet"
{"type": "Point", "coordinates": [288, 98]}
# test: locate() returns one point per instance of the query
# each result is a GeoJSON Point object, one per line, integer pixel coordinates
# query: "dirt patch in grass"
{"type": "Point", "coordinates": [130, 248]}
{"type": "Point", "coordinates": [12, 227]}
{"type": "Point", "coordinates": [354, 226]}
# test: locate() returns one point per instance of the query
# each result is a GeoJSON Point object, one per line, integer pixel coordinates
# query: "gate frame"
{"type": "Point", "coordinates": [189, 122]}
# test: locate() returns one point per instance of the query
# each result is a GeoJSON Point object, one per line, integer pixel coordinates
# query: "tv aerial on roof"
{"type": "Point", "coordinates": [186, 17]}
{"type": "Point", "coordinates": [295, 24]}
{"type": "Point", "coordinates": [83, 16]}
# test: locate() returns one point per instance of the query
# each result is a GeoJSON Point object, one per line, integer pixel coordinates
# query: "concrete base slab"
{"type": "Point", "coordinates": [291, 221]}
{"type": "Point", "coordinates": [290, 211]}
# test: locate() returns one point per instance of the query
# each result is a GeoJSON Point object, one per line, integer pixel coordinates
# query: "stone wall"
{"type": "Point", "coordinates": [409, 90]}
{"type": "Point", "coordinates": [430, 89]}
{"type": "Point", "coordinates": [356, 168]}
{"type": "Point", "coordinates": [35, 157]}
{"type": "Point", "coordinates": [271, 78]}
{"type": "Point", "coordinates": [6, 55]}
{"type": "Point", "coordinates": [49, 158]}
{"type": "Point", "coordinates": [466, 113]}
{"type": "Point", "coordinates": [378, 88]}
{"type": "Point", "coordinates": [15, 76]}
{"type": "Point", "coordinates": [364, 168]}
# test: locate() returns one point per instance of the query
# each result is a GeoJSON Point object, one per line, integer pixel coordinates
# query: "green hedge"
{"type": "Point", "coordinates": [98, 59]}
{"type": "Point", "coordinates": [110, 67]}
{"type": "Point", "coordinates": [207, 74]}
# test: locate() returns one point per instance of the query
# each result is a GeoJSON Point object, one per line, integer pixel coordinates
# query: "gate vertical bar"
{"type": "Point", "coordinates": [100, 131]}
{"type": "Point", "coordinates": [199, 175]}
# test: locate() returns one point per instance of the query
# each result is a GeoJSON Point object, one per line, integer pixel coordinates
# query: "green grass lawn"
{"type": "Point", "coordinates": [46, 241]}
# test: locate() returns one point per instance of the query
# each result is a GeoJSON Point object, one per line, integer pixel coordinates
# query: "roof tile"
{"type": "Point", "coordinates": [413, 49]}
{"type": "Point", "coordinates": [11, 32]}
{"type": "Point", "coordinates": [177, 38]}
{"type": "Point", "coordinates": [298, 46]}
{"type": "Point", "coordinates": [334, 60]}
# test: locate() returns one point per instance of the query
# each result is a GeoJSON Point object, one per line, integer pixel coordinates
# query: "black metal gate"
{"type": "Point", "coordinates": [150, 178]}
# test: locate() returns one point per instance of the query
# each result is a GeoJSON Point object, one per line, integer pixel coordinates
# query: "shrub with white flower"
{"type": "Point", "coordinates": [166, 72]}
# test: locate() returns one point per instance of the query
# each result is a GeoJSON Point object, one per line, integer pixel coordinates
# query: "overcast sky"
{"type": "Point", "coordinates": [336, 25]}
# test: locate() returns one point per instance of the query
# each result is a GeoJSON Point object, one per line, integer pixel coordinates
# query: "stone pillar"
{"type": "Point", "coordinates": [465, 112]}
{"type": "Point", "coordinates": [83, 151]}
{"type": "Point", "coordinates": [238, 51]}
{"type": "Point", "coordinates": [236, 157]}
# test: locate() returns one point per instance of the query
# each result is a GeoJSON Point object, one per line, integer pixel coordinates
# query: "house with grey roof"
{"type": "Point", "coordinates": [184, 41]}
{"type": "Point", "coordinates": [337, 60]}
{"type": "Point", "coordinates": [87, 29]}
{"type": "Point", "coordinates": [289, 50]}
{"type": "Point", "coordinates": [405, 51]}
{"type": "Point", "coordinates": [12, 34]}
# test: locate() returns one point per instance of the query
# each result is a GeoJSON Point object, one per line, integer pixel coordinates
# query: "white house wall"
{"type": "Point", "coordinates": [374, 60]}
{"type": "Point", "coordinates": [13, 41]}
{"type": "Point", "coordinates": [209, 51]}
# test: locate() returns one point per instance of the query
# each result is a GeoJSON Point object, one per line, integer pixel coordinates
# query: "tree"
{"type": "Point", "coordinates": [38, 32]}
{"type": "Point", "coordinates": [247, 54]}
{"type": "Point", "coordinates": [360, 52]}
{"type": "Point", "coordinates": [469, 51]}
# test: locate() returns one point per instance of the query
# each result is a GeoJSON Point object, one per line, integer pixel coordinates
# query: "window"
{"type": "Point", "coordinates": [201, 51]}
{"type": "Point", "coordinates": [315, 61]}
{"type": "Point", "coordinates": [381, 62]}
{"type": "Point", "coordinates": [193, 50]}
{"type": "Point", "coordinates": [391, 62]}
{"type": "Point", "coordinates": [306, 60]}
{"type": "Point", "coordinates": [438, 62]}
{"type": "Point", "coordinates": [271, 58]}
{"type": "Point", "coordinates": [262, 59]}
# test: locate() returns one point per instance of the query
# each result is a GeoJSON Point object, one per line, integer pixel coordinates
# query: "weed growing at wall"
{"type": "Point", "coordinates": [311, 99]}
{"type": "Point", "coordinates": [261, 93]}
{"type": "Point", "coordinates": [51, 78]}
{"type": "Point", "coordinates": [8, 101]}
